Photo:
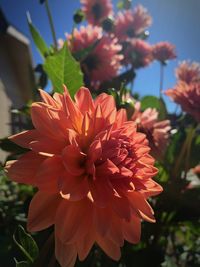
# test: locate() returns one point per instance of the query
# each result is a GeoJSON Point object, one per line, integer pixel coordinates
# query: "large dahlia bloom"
{"type": "Point", "coordinates": [103, 62]}
{"type": "Point", "coordinates": [93, 172]}
{"type": "Point", "coordinates": [188, 97]}
{"type": "Point", "coordinates": [163, 51]}
{"type": "Point", "coordinates": [157, 132]}
{"type": "Point", "coordinates": [188, 72]}
{"type": "Point", "coordinates": [138, 53]}
{"type": "Point", "coordinates": [131, 23]}
{"type": "Point", "coordinates": [97, 10]}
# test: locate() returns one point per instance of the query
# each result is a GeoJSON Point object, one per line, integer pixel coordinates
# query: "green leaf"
{"type": "Point", "coordinates": [26, 244]}
{"type": "Point", "coordinates": [62, 68]}
{"type": "Point", "coordinates": [37, 38]}
{"type": "Point", "coordinates": [150, 102]}
{"type": "Point", "coordinates": [154, 102]}
{"type": "Point", "coordinates": [82, 54]}
{"type": "Point", "coordinates": [21, 263]}
{"type": "Point", "coordinates": [9, 146]}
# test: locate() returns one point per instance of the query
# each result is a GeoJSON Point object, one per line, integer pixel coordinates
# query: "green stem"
{"type": "Point", "coordinates": [161, 79]}
{"type": "Point", "coordinates": [188, 150]}
{"type": "Point", "coordinates": [185, 151]}
{"type": "Point", "coordinates": [51, 24]}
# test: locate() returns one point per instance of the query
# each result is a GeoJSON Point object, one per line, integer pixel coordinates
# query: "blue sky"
{"type": "Point", "coordinates": [176, 21]}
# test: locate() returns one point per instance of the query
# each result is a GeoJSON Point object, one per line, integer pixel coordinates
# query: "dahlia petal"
{"type": "Point", "coordinates": [24, 138]}
{"type": "Point", "coordinates": [72, 220]}
{"type": "Point", "coordinates": [80, 191]}
{"type": "Point", "coordinates": [115, 233]}
{"type": "Point", "coordinates": [73, 158]}
{"type": "Point", "coordinates": [25, 168]}
{"type": "Point", "coordinates": [127, 129]}
{"type": "Point", "coordinates": [101, 222]}
{"type": "Point", "coordinates": [48, 173]}
{"type": "Point", "coordinates": [101, 191]}
{"type": "Point", "coordinates": [48, 99]}
{"type": "Point", "coordinates": [152, 188]}
{"type": "Point", "coordinates": [121, 117]}
{"type": "Point", "coordinates": [132, 230]}
{"type": "Point", "coordinates": [140, 205]}
{"type": "Point", "coordinates": [95, 150]}
{"type": "Point", "coordinates": [69, 182]}
{"type": "Point", "coordinates": [99, 121]}
{"type": "Point", "coordinates": [42, 211]}
{"type": "Point", "coordinates": [76, 116]}
{"type": "Point", "coordinates": [107, 168]}
{"type": "Point", "coordinates": [107, 104]}
{"type": "Point", "coordinates": [66, 254]}
{"type": "Point", "coordinates": [109, 247]}
{"type": "Point", "coordinates": [47, 145]}
{"type": "Point", "coordinates": [121, 207]}
{"type": "Point", "coordinates": [44, 123]}
{"type": "Point", "coordinates": [84, 100]}
{"type": "Point", "coordinates": [85, 244]}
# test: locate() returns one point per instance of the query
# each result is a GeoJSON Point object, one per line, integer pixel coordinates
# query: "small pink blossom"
{"type": "Point", "coordinates": [188, 72]}
{"type": "Point", "coordinates": [131, 23]}
{"type": "Point", "coordinates": [188, 97]}
{"type": "Point", "coordinates": [138, 53]}
{"type": "Point", "coordinates": [104, 61]}
{"type": "Point", "coordinates": [164, 51]}
{"type": "Point", "coordinates": [157, 132]}
{"type": "Point", "coordinates": [96, 10]}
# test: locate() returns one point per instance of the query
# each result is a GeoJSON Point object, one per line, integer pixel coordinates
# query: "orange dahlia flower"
{"type": "Point", "coordinates": [93, 172]}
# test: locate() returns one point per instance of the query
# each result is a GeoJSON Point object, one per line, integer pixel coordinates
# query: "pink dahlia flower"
{"type": "Point", "coordinates": [164, 51]}
{"type": "Point", "coordinates": [104, 61]}
{"type": "Point", "coordinates": [157, 132]}
{"type": "Point", "coordinates": [188, 72]}
{"type": "Point", "coordinates": [97, 10]}
{"type": "Point", "coordinates": [188, 97]}
{"type": "Point", "coordinates": [131, 23]}
{"type": "Point", "coordinates": [93, 172]}
{"type": "Point", "coordinates": [138, 53]}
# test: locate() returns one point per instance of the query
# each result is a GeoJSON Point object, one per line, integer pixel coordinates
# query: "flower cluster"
{"type": "Point", "coordinates": [93, 180]}
{"type": "Point", "coordinates": [123, 45]}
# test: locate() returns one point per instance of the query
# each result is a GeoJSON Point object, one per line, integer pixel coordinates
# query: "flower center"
{"type": "Point", "coordinates": [97, 11]}
{"type": "Point", "coordinates": [130, 32]}
{"type": "Point", "coordinates": [91, 62]}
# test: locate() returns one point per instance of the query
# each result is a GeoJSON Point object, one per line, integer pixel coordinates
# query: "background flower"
{"type": "Point", "coordinates": [188, 72]}
{"type": "Point", "coordinates": [96, 10]}
{"type": "Point", "coordinates": [163, 51]}
{"type": "Point", "coordinates": [131, 23]}
{"type": "Point", "coordinates": [104, 60]}
{"type": "Point", "coordinates": [157, 132]}
{"type": "Point", "coordinates": [138, 53]}
{"type": "Point", "coordinates": [188, 97]}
